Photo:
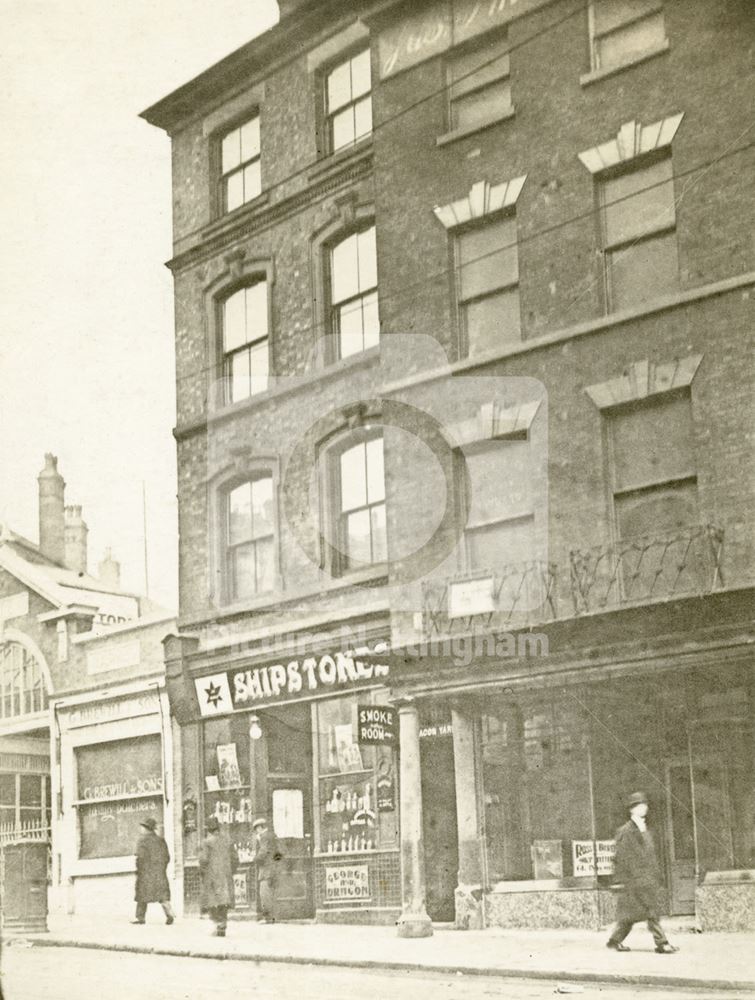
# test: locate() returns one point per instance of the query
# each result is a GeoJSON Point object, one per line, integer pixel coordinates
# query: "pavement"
{"type": "Point", "coordinates": [707, 961]}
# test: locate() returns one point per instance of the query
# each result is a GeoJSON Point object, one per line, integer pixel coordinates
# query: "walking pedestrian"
{"type": "Point", "coordinates": [152, 857]}
{"type": "Point", "coordinates": [638, 871]}
{"type": "Point", "coordinates": [216, 872]}
{"type": "Point", "coordinates": [266, 856]}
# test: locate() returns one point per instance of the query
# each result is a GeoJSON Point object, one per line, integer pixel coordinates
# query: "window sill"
{"type": "Point", "coordinates": [462, 133]}
{"type": "Point", "coordinates": [334, 163]}
{"type": "Point", "coordinates": [601, 74]}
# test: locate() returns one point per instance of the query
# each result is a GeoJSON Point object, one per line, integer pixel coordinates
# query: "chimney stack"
{"type": "Point", "coordinates": [109, 571]}
{"type": "Point", "coordinates": [76, 533]}
{"type": "Point", "coordinates": [288, 7]}
{"type": "Point", "coordinates": [51, 511]}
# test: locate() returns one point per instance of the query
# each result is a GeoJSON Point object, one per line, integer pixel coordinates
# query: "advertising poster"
{"type": "Point", "coordinates": [228, 766]}
{"type": "Point", "coordinates": [347, 882]}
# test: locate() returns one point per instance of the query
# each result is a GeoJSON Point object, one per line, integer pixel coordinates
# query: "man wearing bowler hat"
{"type": "Point", "coordinates": [637, 869]}
{"type": "Point", "coordinates": [266, 856]}
{"type": "Point", "coordinates": [152, 859]}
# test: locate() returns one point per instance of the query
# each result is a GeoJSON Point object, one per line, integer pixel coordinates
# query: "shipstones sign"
{"type": "Point", "coordinates": [237, 690]}
{"type": "Point", "coordinates": [437, 28]}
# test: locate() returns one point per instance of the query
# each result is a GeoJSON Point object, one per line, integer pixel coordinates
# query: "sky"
{"type": "Point", "coordinates": [86, 311]}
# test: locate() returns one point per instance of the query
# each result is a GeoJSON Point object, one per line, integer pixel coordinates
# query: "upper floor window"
{"type": "Point", "coordinates": [245, 341]}
{"type": "Point", "coordinates": [250, 538]}
{"type": "Point", "coordinates": [348, 104]}
{"type": "Point", "coordinates": [361, 528]}
{"type": "Point", "coordinates": [623, 31]}
{"type": "Point", "coordinates": [354, 293]}
{"type": "Point", "coordinates": [488, 284]}
{"type": "Point", "coordinates": [22, 685]}
{"type": "Point", "coordinates": [479, 85]}
{"type": "Point", "coordinates": [240, 164]}
{"type": "Point", "coordinates": [638, 221]}
{"type": "Point", "coordinates": [500, 506]}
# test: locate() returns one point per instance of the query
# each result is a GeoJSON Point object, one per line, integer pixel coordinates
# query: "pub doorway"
{"type": "Point", "coordinates": [439, 817]}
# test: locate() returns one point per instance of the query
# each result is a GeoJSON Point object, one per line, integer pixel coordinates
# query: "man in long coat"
{"type": "Point", "coordinates": [216, 872]}
{"type": "Point", "coordinates": [637, 869]}
{"type": "Point", "coordinates": [152, 857]}
{"type": "Point", "coordinates": [266, 857]}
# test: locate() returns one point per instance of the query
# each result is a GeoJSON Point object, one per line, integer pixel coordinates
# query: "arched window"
{"type": "Point", "coordinates": [250, 538]}
{"type": "Point", "coordinates": [245, 341]}
{"type": "Point", "coordinates": [354, 293]}
{"type": "Point", "coordinates": [360, 497]}
{"type": "Point", "coordinates": [22, 684]}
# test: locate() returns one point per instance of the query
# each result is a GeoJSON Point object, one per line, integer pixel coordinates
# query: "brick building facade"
{"type": "Point", "coordinates": [462, 301]}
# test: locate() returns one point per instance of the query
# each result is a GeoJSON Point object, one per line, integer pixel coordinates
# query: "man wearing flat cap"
{"type": "Point", "coordinates": [266, 856]}
{"type": "Point", "coordinates": [152, 857]}
{"type": "Point", "coordinates": [637, 869]}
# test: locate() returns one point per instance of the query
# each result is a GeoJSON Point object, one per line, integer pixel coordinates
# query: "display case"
{"type": "Point", "coordinates": [348, 813]}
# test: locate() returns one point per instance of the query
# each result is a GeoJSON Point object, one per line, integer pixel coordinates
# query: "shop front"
{"type": "Point", "coordinates": [306, 741]}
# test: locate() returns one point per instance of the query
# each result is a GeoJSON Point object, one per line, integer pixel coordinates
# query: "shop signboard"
{"type": "Point", "coordinates": [386, 790]}
{"type": "Point", "coordinates": [471, 597]}
{"type": "Point", "coordinates": [240, 890]}
{"type": "Point", "coordinates": [585, 854]}
{"type": "Point", "coordinates": [347, 882]}
{"type": "Point", "coordinates": [306, 677]}
{"type": "Point", "coordinates": [377, 725]}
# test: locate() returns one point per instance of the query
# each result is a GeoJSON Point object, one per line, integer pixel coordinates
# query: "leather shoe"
{"type": "Point", "coordinates": [137, 921]}
{"type": "Point", "coordinates": [169, 920]}
{"type": "Point", "coordinates": [617, 946]}
{"type": "Point", "coordinates": [666, 949]}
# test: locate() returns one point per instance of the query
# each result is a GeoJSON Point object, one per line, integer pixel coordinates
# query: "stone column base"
{"type": "Point", "coordinates": [414, 925]}
{"type": "Point", "coordinates": [468, 907]}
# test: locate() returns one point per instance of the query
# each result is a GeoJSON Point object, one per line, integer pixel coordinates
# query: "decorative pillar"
{"type": "Point", "coordinates": [414, 921]}
{"type": "Point", "coordinates": [469, 890]}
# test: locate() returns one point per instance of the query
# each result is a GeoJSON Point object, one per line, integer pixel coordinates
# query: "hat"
{"type": "Point", "coordinates": [260, 821]}
{"type": "Point", "coordinates": [213, 825]}
{"type": "Point", "coordinates": [636, 798]}
{"type": "Point", "coordinates": [149, 823]}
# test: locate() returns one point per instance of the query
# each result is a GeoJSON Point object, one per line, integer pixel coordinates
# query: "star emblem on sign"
{"type": "Point", "coordinates": [213, 694]}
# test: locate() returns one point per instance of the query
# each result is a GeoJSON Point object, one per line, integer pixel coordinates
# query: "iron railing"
{"type": "Point", "coordinates": [647, 568]}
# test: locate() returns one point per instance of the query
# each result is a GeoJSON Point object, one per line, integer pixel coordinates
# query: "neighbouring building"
{"type": "Point", "coordinates": [463, 294]}
{"type": "Point", "coordinates": [85, 738]}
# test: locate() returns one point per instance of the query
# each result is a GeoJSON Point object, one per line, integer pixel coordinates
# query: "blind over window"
{"type": "Point", "coordinates": [638, 203]}
{"type": "Point", "coordinates": [488, 258]}
{"type": "Point", "coordinates": [652, 443]}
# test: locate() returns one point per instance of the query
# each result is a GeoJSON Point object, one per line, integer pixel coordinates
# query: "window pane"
{"type": "Point", "coordinates": [339, 86]}
{"type": "Point", "coordinates": [343, 128]}
{"type": "Point", "coordinates": [625, 44]}
{"type": "Point", "coordinates": [371, 320]}
{"type": "Point", "coordinates": [265, 566]}
{"type": "Point", "coordinates": [259, 362]}
{"type": "Point", "coordinates": [362, 118]}
{"type": "Point", "coordinates": [638, 202]}
{"type": "Point", "coordinates": [377, 523]}
{"type": "Point", "coordinates": [243, 578]}
{"type": "Point", "coordinates": [652, 443]}
{"type": "Point", "coordinates": [231, 151]}
{"type": "Point", "coordinates": [344, 269]}
{"type": "Point", "coordinates": [358, 549]}
{"type": "Point", "coordinates": [500, 481]}
{"type": "Point", "coordinates": [482, 106]}
{"type": "Point", "coordinates": [31, 790]}
{"type": "Point", "coordinates": [240, 514]}
{"type": "Point", "coordinates": [500, 545]}
{"type": "Point", "coordinates": [250, 140]}
{"type": "Point", "coordinates": [375, 472]}
{"type": "Point", "coordinates": [493, 321]}
{"type": "Point", "coordinates": [256, 311]}
{"type": "Point", "coordinates": [239, 385]}
{"type": "Point", "coordinates": [353, 478]}
{"type": "Point", "coordinates": [262, 506]}
{"type": "Point", "coordinates": [660, 512]}
{"type": "Point", "coordinates": [367, 256]}
{"type": "Point", "coordinates": [475, 68]}
{"type": "Point", "coordinates": [360, 74]}
{"type": "Point", "coordinates": [234, 321]}
{"type": "Point", "coordinates": [8, 790]}
{"type": "Point", "coordinates": [234, 191]}
{"type": "Point", "coordinates": [643, 271]}
{"type": "Point", "coordinates": [350, 328]}
{"type": "Point", "coordinates": [252, 181]}
{"type": "Point", "coordinates": [611, 14]}
{"type": "Point", "coordinates": [488, 258]}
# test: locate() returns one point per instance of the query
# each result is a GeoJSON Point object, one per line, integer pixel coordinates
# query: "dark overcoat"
{"type": "Point", "coordinates": [267, 855]}
{"type": "Point", "coordinates": [152, 857]}
{"type": "Point", "coordinates": [216, 871]}
{"type": "Point", "coordinates": [636, 868]}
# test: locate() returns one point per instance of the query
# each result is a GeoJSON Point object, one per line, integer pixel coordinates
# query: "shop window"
{"type": "Point", "coordinates": [479, 85]}
{"type": "Point", "coordinates": [654, 484]}
{"type": "Point", "coordinates": [638, 220]}
{"type": "Point", "coordinates": [22, 687]}
{"type": "Point", "coordinates": [488, 285]}
{"type": "Point", "coordinates": [245, 341]}
{"type": "Point", "coordinates": [119, 784]}
{"type": "Point", "coordinates": [354, 293]}
{"type": "Point", "coordinates": [500, 521]}
{"type": "Point", "coordinates": [241, 180]}
{"type": "Point", "coordinates": [360, 487]}
{"type": "Point", "coordinates": [623, 31]}
{"type": "Point", "coordinates": [250, 538]}
{"type": "Point", "coordinates": [348, 101]}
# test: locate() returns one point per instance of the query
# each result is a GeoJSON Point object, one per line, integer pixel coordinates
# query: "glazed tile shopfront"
{"type": "Point", "coordinates": [280, 737]}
